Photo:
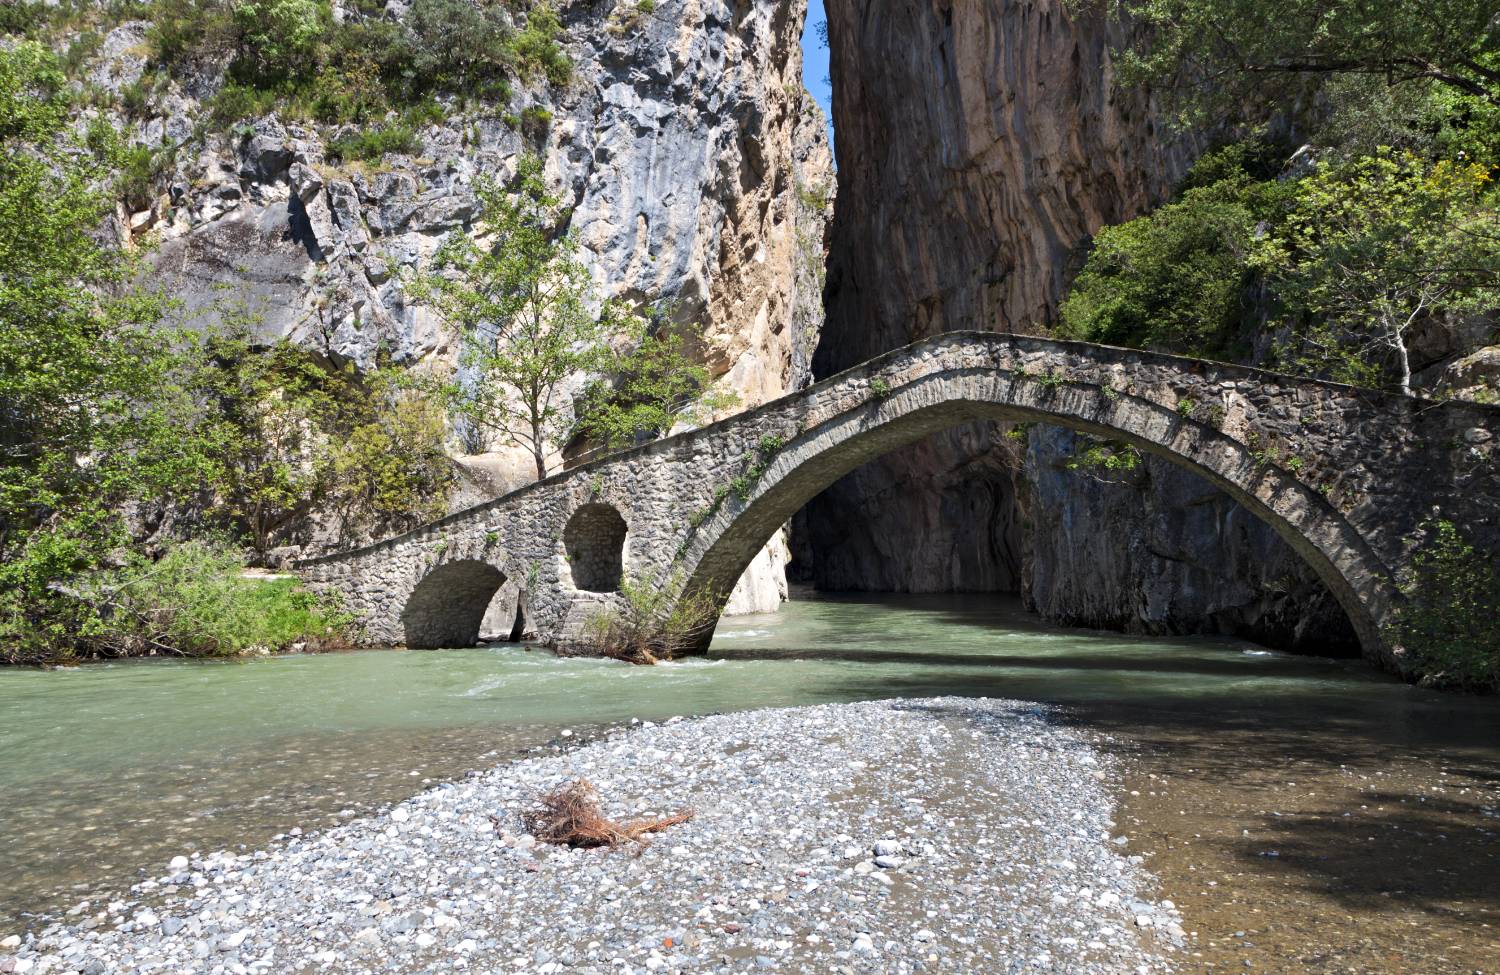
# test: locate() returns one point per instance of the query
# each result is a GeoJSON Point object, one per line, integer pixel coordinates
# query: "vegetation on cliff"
{"type": "Point", "coordinates": [1348, 226]}
{"type": "Point", "coordinates": [126, 436]}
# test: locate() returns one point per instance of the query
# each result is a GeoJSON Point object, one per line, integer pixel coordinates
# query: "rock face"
{"type": "Point", "coordinates": [1161, 551]}
{"type": "Point", "coordinates": [980, 147]}
{"type": "Point", "coordinates": [696, 165]}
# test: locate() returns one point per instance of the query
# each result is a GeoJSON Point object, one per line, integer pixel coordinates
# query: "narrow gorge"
{"type": "Point", "coordinates": [981, 146]}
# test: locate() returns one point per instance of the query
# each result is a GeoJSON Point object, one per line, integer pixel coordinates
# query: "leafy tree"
{"type": "Point", "coordinates": [1178, 279]}
{"type": "Point", "coordinates": [455, 45]}
{"type": "Point", "coordinates": [1373, 247]}
{"type": "Point", "coordinates": [280, 38]}
{"type": "Point", "coordinates": [91, 409]}
{"type": "Point", "coordinates": [651, 387]}
{"type": "Point", "coordinates": [520, 306]}
{"type": "Point", "coordinates": [1451, 623]}
{"type": "Point", "coordinates": [294, 440]}
{"type": "Point", "coordinates": [389, 469]}
{"type": "Point", "coordinates": [520, 303]}
{"type": "Point", "coordinates": [1230, 53]}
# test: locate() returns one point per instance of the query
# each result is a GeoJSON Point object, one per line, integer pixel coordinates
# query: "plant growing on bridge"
{"type": "Point", "coordinates": [1450, 625]}
{"type": "Point", "coordinates": [655, 619]}
{"type": "Point", "coordinates": [1106, 461]}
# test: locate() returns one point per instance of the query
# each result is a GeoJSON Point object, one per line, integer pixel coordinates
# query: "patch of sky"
{"type": "Point", "coordinates": [815, 63]}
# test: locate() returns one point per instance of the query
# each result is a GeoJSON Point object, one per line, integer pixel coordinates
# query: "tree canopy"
{"type": "Point", "coordinates": [1210, 55]}
{"type": "Point", "coordinates": [522, 306]}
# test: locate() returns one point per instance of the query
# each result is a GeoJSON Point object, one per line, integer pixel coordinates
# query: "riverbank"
{"type": "Point", "coordinates": [939, 834]}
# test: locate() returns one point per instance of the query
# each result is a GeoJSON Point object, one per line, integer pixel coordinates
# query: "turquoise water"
{"type": "Point", "coordinates": [112, 768]}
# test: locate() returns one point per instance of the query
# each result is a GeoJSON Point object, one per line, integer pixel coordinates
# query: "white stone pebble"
{"type": "Point", "coordinates": [969, 836]}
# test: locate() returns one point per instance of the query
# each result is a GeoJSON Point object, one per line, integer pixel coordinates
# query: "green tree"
{"type": "Point", "coordinates": [1373, 247]}
{"type": "Point", "coordinates": [519, 300]}
{"type": "Point", "coordinates": [296, 441]}
{"type": "Point", "coordinates": [1450, 624]}
{"type": "Point", "coordinates": [1179, 279]}
{"type": "Point", "coordinates": [1219, 54]}
{"type": "Point", "coordinates": [650, 387]}
{"type": "Point", "coordinates": [519, 303]}
{"type": "Point", "coordinates": [92, 412]}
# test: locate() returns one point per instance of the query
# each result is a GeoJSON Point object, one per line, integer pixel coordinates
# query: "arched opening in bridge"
{"type": "Point", "coordinates": [1085, 531]}
{"type": "Point", "coordinates": [594, 541]}
{"type": "Point", "coordinates": [1027, 513]}
{"type": "Point", "coordinates": [447, 607]}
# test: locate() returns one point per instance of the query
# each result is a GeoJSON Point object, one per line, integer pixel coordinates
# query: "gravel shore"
{"type": "Point", "coordinates": [935, 835]}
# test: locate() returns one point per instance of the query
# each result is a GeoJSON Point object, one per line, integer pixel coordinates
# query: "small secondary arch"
{"type": "Point", "coordinates": [594, 543]}
{"type": "Point", "coordinates": [446, 608]}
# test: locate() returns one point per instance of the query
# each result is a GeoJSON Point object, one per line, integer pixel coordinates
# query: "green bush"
{"type": "Point", "coordinates": [1178, 279]}
{"type": "Point", "coordinates": [196, 601]}
{"type": "Point", "coordinates": [235, 103]}
{"type": "Point", "coordinates": [293, 56]}
{"type": "Point", "coordinates": [654, 620]}
{"type": "Point", "coordinates": [1450, 625]}
{"type": "Point", "coordinates": [536, 47]}
{"type": "Point", "coordinates": [371, 144]}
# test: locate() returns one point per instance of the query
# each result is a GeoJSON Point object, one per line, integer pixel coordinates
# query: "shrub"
{"type": "Point", "coordinates": [1106, 461]}
{"type": "Point", "coordinates": [537, 50]}
{"type": "Point", "coordinates": [655, 620]}
{"type": "Point", "coordinates": [452, 45]}
{"type": "Point", "coordinates": [1450, 625]}
{"type": "Point", "coordinates": [193, 601]}
{"type": "Point", "coordinates": [140, 169]}
{"type": "Point", "coordinates": [535, 120]}
{"type": "Point", "coordinates": [371, 144]}
{"type": "Point", "coordinates": [234, 103]}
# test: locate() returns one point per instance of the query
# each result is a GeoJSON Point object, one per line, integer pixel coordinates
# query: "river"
{"type": "Point", "coordinates": [1306, 814]}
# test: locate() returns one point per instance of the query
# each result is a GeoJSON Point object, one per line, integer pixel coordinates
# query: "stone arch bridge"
{"type": "Point", "coordinates": [1347, 476]}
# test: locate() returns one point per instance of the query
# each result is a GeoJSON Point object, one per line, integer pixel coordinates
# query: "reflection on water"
{"type": "Point", "coordinates": [115, 767]}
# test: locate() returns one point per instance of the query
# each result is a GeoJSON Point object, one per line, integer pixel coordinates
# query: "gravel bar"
{"type": "Point", "coordinates": [933, 835]}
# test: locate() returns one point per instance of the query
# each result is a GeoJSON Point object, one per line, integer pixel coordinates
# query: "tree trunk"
{"type": "Point", "coordinates": [538, 450]}
{"type": "Point", "coordinates": [1403, 362]}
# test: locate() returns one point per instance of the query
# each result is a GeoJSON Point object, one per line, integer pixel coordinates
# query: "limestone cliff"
{"type": "Point", "coordinates": [696, 165]}
{"type": "Point", "coordinates": [980, 146]}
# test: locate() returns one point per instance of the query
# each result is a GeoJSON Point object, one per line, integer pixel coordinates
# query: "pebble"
{"type": "Point", "coordinates": [969, 836]}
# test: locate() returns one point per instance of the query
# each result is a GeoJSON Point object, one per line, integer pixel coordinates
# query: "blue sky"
{"type": "Point", "coordinates": [815, 60]}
